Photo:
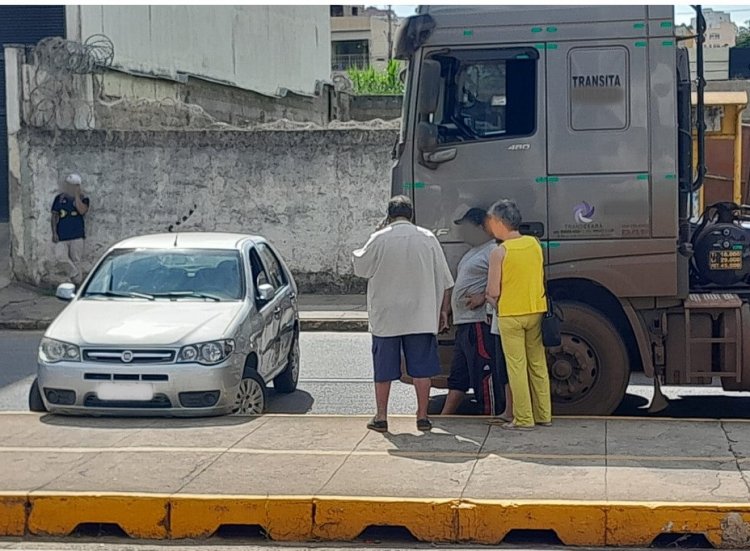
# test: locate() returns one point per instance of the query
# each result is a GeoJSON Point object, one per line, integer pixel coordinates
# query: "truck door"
{"type": "Point", "coordinates": [480, 136]}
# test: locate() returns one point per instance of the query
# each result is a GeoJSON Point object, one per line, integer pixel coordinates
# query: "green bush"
{"type": "Point", "coordinates": [377, 83]}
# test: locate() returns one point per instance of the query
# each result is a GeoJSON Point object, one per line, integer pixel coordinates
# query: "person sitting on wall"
{"type": "Point", "coordinates": [68, 225]}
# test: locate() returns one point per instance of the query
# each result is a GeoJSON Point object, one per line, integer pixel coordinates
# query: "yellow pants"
{"type": "Point", "coordinates": [527, 368]}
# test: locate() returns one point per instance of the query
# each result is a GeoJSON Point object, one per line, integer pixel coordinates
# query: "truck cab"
{"type": "Point", "coordinates": [582, 115]}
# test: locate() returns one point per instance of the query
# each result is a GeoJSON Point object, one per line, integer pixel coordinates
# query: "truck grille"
{"type": "Point", "coordinates": [129, 356]}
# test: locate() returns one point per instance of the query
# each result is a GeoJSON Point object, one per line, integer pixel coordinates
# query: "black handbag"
{"type": "Point", "coordinates": [551, 321]}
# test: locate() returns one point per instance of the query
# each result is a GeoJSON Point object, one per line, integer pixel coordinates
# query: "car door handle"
{"type": "Point", "coordinates": [277, 312]}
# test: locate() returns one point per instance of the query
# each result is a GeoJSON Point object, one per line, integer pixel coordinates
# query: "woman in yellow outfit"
{"type": "Point", "coordinates": [516, 285]}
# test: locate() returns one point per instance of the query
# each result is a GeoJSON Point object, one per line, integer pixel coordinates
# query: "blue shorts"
{"type": "Point", "coordinates": [420, 351]}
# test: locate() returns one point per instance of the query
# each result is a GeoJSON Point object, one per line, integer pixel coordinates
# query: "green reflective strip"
{"type": "Point", "coordinates": [640, 44]}
{"type": "Point", "coordinates": [639, 25]}
{"type": "Point", "coordinates": [738, 247]}
{"type": "Point", "coordinates": [541, 180]}
{"type": "Point", "coordinates": [551, 29]}
{"type": "Point", "coordinates": [536, 29]}
{"type": "Point", "coordinates": [539, 46]}
{"type": "Point", "coordinates": [408, 186]}
{"type": "Point", "coordinates": [552, 46]}
{"type": "Point", "coordinates": [668, 43]}
{"type": "Point", "coordinates": [666, 24]}
{"type": "Point", "coordinates": [671, 176]}
{"type": "Point", "coordinates": [522, 56]}
{"type": "Point", "coordinates": [468, 32]}
{"type": "Point", "coordinates": [643, 176]}
{"type": "Point", "coordinates": [553, 179]}
{"type": "Point", "coordinates": [550, 244]}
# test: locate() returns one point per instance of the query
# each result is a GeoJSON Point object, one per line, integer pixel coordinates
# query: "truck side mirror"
{"type": "Point", "coordinates": [429, 87]}
{"type": "Point", "coordinates": [427, 137]}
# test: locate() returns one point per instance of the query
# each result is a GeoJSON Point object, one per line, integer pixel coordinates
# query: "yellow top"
{"type": "Point", "coordinates": [522, 275]}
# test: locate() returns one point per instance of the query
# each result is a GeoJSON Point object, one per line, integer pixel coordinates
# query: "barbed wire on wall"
{"type": "Point", "coordinates": [58, 96]}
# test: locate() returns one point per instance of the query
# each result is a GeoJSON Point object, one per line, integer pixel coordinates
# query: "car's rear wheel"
{"type": "Point", "coordinates": [251, 394]}
{"type": "Point", "coordinates": [286, 381]}
{"type": "Point", "coordinates": [36, 404]}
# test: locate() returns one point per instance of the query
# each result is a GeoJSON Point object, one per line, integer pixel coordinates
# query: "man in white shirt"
{"type": "Point", "coordinates": [407, 303]}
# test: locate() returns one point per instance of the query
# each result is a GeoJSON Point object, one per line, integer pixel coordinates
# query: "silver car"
{"type": "Point", "coordinates": [175, 324]}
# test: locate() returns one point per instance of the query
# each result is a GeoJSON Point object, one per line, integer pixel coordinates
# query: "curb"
{"type": "Point", "coordinates": [333, 325]}
{"type": "Point", "coordinates": [307, 518]}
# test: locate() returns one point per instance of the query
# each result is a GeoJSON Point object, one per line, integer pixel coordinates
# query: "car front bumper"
{"type": "Point", "coordinates": [87, 388]}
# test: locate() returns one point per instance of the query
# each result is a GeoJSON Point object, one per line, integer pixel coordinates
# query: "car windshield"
{"type": "Point", "coordinates": [175, 274]}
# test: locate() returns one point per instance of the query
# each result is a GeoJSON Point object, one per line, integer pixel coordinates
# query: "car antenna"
{"type": "Point", "coordinates": [175, 240]}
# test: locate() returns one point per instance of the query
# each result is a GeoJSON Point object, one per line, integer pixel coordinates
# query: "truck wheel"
{"type": "Point", "coordinates": [589, 372]}
{"type": "Point", "coordinates": [36, 404]}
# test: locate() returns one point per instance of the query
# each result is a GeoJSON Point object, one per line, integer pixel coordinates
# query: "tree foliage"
{"type": "Point", "coordinates": [743, 36]}
{"type": "Point", "coordinates": [377, 83]}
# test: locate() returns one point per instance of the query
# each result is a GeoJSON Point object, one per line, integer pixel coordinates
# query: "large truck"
{"type": "Point", "coordinates": [582, 114]}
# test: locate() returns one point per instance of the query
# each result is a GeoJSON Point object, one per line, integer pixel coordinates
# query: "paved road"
{"type": "Point", "coordinates": [336, 379]}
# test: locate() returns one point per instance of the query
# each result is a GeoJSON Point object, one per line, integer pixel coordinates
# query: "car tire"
{"type": "Point", "coordinates": [250, 397]}
{"type": "Point", "coordinates": [286, 381]}
{"type": "Point", "coordinates": [36, 404]}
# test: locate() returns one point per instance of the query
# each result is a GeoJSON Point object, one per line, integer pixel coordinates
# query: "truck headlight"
{"type": "Point", "coordinates": [53, 351]}
{"type": "Point", "coordinates": [207, 353]}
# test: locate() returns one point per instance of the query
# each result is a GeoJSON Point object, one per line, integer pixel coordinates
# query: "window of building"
{"type": "Point", "coordinates": [346, 54]}
{"type": "Point", "coordinates": [337, 11]}
{"type": "Point", "coordinates": [487, 94]}
{"type": "Point", "coordinates": [355, 11]}
{"type": "Point", "coordinates": [714, 36]}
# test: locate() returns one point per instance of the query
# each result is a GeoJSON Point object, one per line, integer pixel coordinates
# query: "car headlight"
{"type": "Point", "coordinates": [208, 353]}
{"type": "Point", "coordinates": [53, 351]}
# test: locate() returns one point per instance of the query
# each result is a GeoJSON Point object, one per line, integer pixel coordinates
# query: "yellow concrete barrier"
{"type": "Point", "coordinates": [282, 518]}
{"type": "Point", "coordinates": [345, 518]}
{"type": "Point", "coordinates": [488, 522]}
{"type": "Point", "coordinates": [12, 513]}
{"type": "Point", "coordinates": [305, 518]}
{"type": "Point", "coordinates": [58, 514]}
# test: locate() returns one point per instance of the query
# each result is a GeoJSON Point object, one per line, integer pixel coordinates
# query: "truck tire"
{"type": "Point", "coordinates": [589, 372]}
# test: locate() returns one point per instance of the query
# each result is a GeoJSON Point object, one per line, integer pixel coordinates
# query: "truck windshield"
{"type": "Point", "coordinates": [174, 274]}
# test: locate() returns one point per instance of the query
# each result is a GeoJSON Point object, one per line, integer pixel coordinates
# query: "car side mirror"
{"type": "Point", "coordinates": [266, 292]}
{"type": "Point", "coordinates": [66, 291]}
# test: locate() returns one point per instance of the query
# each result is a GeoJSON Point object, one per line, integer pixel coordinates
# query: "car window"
{"type": "Point", "coordinates": [260, 275]}
{"type": "Point", "coordinates": [276, 272]}
{"type": "Point", "coordinates": [171, 273]}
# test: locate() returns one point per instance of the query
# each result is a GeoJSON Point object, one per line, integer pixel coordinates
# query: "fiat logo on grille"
{"type": "Point", "coordinates": [127, 356]}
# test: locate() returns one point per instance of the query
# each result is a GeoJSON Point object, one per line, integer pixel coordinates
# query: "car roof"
{"type": "Point", "coordinates": [188, 240]}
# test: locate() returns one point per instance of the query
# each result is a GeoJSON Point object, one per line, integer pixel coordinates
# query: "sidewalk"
{"type": "Point", "coordinates": [25, 308]}
{"type": "Point", "coordinates": [620, 482]}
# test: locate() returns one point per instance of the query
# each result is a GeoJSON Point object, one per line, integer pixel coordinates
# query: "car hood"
{"type": "Point", "coordinates": [137, 323]}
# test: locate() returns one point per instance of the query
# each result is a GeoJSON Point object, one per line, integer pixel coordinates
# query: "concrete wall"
{"type": "Point", "coordinates": [261, 48]}
{"type": "Point", "coordinates": [316, 194]}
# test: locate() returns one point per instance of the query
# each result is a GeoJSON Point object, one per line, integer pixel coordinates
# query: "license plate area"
{"type": "Point", "coordinates": [136, 392]}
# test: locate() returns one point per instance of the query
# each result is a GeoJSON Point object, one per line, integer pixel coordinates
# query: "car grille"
{"type": "Point", "coordinates": [159, 401]}
{"type": "Point", "coordinates": [125, 377]}
{"type": "Point", "coordinates": [121, 355]}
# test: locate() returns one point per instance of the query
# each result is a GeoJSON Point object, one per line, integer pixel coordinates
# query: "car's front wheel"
{"type": "Point", "coordinates": [36, 404]}
{"type": "Point", "coordinates": [251, 394]}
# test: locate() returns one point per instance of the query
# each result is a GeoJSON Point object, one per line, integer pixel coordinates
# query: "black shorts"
{"type": "Point", "coordinates": [475, 366]}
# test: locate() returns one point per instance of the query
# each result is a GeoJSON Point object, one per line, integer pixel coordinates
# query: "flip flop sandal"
{"type": "Point", "coordinates": [425, 425]}
{"type": "Point", "coordinates": [378, 425]}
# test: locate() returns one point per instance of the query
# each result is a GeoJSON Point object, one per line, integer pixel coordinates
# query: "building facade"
{"type": "Point", "coordinates": [721, 32]}
{"type": "Point", "coordinates": [361, 37]}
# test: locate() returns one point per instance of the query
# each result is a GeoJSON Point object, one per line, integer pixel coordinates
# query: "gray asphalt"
{"type": "Point", "coordinates": [336, 379]}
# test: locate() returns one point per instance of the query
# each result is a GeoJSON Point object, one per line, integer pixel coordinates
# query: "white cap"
{"type": "Point", "coordinates": [73, 179]}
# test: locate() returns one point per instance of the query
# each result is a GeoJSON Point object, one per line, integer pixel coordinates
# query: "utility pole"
{"type": "Point", "coordinates": [390, 34]}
